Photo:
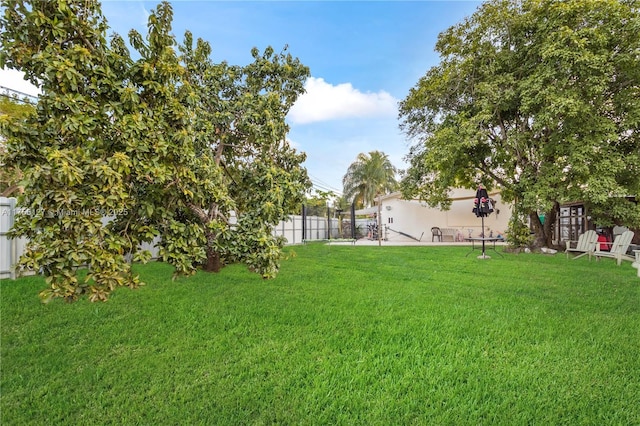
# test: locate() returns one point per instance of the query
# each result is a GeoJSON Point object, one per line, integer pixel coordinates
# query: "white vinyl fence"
{"type": "Point", "coordinates": [10, 249]}
{"type": "Point", "coordinates": [7, 255]}
{"type": "Point", "coordinates": [317, 228]}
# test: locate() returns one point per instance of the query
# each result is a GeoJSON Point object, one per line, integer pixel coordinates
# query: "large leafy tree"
{"type": "Point", "coordinates": [255, 178]}
{"type": "Point", "coordinates": [71, 170]}
{"type": "Point", "coordinates": [167, 144]}
{"type": "Point", "coordinates": [539, 97]}
{"type": "Point", "coordinates": [369, 175]}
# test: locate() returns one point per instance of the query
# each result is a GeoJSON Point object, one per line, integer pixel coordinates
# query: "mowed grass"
{"type": "Point", "coordinates": [344, 336]}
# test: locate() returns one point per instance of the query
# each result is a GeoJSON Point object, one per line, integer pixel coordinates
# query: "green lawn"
{"type": "Point", "coordinates": [344, 336]}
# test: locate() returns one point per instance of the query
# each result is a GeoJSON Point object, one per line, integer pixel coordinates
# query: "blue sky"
{"type": "Point", "coordinates": [364, 57]}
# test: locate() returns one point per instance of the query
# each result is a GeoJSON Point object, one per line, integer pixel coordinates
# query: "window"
{"type": "Point", "coordinates": [572, 222]}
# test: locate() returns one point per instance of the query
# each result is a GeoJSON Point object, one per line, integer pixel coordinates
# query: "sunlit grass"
{"type": "Point", "coordinates": [345, 335]}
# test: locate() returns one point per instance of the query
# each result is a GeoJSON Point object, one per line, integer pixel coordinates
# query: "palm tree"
{"type": "Point", "coordinates": [371, 174]}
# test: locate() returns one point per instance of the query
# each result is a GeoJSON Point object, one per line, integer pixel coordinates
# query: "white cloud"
{"type": "Point", "coordinates": [324, 101]}
{"type": "Point", "coordinates": [13, 79]}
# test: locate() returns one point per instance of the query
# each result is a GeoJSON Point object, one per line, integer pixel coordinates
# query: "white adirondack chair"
{"type": "Point", "coordinates": [618, 248]}
{"type": "Point", "coordinates": [636, 264]}
{"type": "Point", "coordinates": [586, 244]}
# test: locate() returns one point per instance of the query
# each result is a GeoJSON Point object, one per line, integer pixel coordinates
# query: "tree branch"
{"type": "Point", "coordinates": [198, 211]}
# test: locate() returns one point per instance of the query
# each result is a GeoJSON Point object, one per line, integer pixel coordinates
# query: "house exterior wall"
{"type": "Point", "coordinates": [416, 219]}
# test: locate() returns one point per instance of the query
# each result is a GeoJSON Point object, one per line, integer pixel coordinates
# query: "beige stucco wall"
{"type": "Point", "coordinates": [415, 219]}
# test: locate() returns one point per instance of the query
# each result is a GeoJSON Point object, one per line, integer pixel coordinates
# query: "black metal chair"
{"type": "Point", "coordinates": [436, 233]}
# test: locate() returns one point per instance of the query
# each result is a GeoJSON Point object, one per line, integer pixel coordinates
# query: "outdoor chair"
{"type": "Point", "coordinates": [636, 264]}
{"type": "Point", "coordinates": [618, 248]}
{"type": "Point", "coordinates": [449, 234]}
{"type": "Point", "coordinates": [586, 245]}
{"type": "Point", "coordinates": [436, 233]}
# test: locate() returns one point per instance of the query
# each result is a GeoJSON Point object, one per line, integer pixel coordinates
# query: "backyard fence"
{"type": "Point", "coordinates": [296, 229]}
{"type": "Point", "coordinates": [7, 251]}
{"type": "Point", "coordinates": [10, 249]}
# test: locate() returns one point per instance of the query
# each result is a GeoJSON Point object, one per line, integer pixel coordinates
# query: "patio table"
{"type": "Point", "coordinates": [492, 240]}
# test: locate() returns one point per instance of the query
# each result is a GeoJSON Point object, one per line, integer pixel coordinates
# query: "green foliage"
{"type": "Point", "coordinates": [318, 202]}
{"type": "Point", "coordinates": [540, 98]}
{"type": "Point", "coordinates": [168, 144]}
{"type": "Point", "coordinates": [345, 336]}
{"type": "Point", "coordinates": [617, 211]}
{"type": "Point", "coordinates": [242, 152]}
{"type": "Point", "coordinates": [72, 172]}
{"type": "Point", "coordinates": [371, 174]}
{"type": "Point", "coordinates": [518, 234]}
{"type": "Point", "coordinates": [15, 108]}
{"type": "Point", "coordinates": [11, 109]}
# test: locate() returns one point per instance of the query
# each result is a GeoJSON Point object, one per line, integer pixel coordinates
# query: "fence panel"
{"type": "Point", "coordinates": [151, 247]}
{"type": "Point", "coordinates": [7, 246]}
{"type": "Point", "coordinates": [316, 229]}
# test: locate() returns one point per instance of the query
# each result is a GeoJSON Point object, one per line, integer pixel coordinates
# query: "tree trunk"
{"type": "Point", "coordinates": [550, 222]}
{"type": "Point", "coordinates": [213, 263]}
{"type": "Point", "coordinates": [544, 232]}
{"type": "Point", "coordinates": [539, 239]}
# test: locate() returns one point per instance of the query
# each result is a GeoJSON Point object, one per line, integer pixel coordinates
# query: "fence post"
{"type": "Point", "coordinates": [304, 224]}
{"type": "Point", "coordinates": [328, 224]}
{"type": "Point", "coordinates": [13, 243]}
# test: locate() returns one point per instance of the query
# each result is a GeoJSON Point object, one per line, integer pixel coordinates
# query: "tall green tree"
{"type": "Point", "coordinates": [166, 144]}
{"type": "Point", "coordinates": [71, 171]}
{"type": "Point", "coordinates": [255, 177]}
{"type": "Point", "coordinates": [369, 175]}
{"type": "Point", "coordinates": [538, 97]}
